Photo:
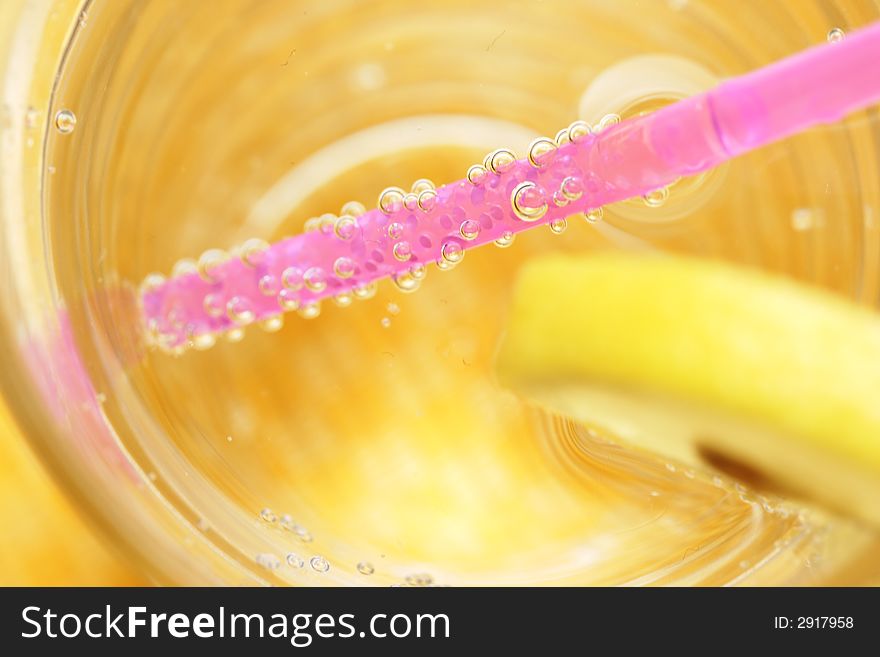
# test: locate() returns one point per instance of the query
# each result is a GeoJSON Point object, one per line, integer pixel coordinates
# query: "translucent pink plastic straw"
{"type": "Point", "coordinates": [343, 257]}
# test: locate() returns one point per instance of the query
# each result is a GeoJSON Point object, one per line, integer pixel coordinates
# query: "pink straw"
{"type": "Point", "coordinates": [344, 257]}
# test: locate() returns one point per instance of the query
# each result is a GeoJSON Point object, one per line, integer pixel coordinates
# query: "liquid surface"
{"type": "Point", "coordinates": [372, 444]}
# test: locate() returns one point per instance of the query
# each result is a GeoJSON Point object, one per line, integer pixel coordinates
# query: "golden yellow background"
{"type": "Point", "coordinates": [44, 541]}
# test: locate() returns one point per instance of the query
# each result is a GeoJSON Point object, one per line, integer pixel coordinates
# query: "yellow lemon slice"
{"type": "Point", "coordinates": [710, 364]}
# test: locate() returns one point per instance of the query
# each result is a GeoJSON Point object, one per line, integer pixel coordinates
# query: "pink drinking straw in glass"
{"type": "Point", "coordinates": [579, 171]}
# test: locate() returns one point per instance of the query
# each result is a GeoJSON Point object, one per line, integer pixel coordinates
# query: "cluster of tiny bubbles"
{"type": "Point", "coordinates": [268, 561]}
{"type": "Point", "coordinates": [288, 523]}
{"type": "Point", "coordinates": [505, 240]}
{"type": "Point", "coordinates": [419, 579]}
{"type": "Point", "coordinates": [528, 201]}
{"type": "Point", "coordinates": [836, 35]}
{"type": "Point", "coordinates": [656, 198]}
{"type": "Point", "coordinates": [595, 214]}
{"type": "Point", "coordinates": [268, 515]}
{"type": "Point", "coordinates": [469, 229]}
{"type": "Point", "coordinates": [319, 564]}
{"type": "Point", "coordinates": [65, 121]}
{"type": "Point", "coordinates": [365, 568]}
{"type": "Point", "coordinates": [294, 560]}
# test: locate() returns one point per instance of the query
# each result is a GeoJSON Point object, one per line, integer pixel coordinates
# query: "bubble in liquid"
{"type": "Point", "coordinates": [469, 229]}
{"type": "Point", "coordinates": [406, 282]}
{"type": "Point", "coordinates": [419, 271]}
{"type": "Point", "coordinates": [302, 533]}
{"type": "Point", "coordinates": [65, 121]}
{"type": "Point", "coordinates": [344, 267]}
{"type": "Point", "coordinates": [541, 151]}
{"type": "Point", "coordinates": [385, 322]}
{"type": "Point", "coordinates": [594, 215]}
{"type": "Point", "coordinates": [239, 310]}
{"type": "Point", "coordinates": [314, 279]}
{"type": "Point", "coordinates": [411, 202]}
{"type": "Point", "coordinates": [319, 564]}
{"type": "Point", "coordinates": [572, 188]}
{"type": "Point", "coordinates": [269, 285]}
{"type": "Point", "coordinates": [183, 267]}
{"type": "Point", "coordinates": [292, 278]}
{"type": "Point", "coordinates": [559, 199]}
{"type": "Point", "coordinates": [656, 198]}
{"type": "Point", "coordinates": [310, 310]}
{"type": "Point", "coordinates": [558, 226]}
{"type": "Point", "coordinates": [203, 341]}
{"type": "Point", "coordinates": [253, 251]}
{"type": "Point", "coordinates": [151, 283]}
{"type": "Point", "coordinates": [365, 291]}
{"type": "Point", "coordinates": [268, 515]}
{"type": "Point", "coordinates": [294, 560]}
{"type": "Point", "coordinates": [836, 35]}
{"type": "Point", "coordinates": [419, 579]}
{"type": "Point", "coordinates": [578, 130]}
{"type": "Point", "coordinates": [500, 161]}
{"type": "Point", "coordinates": [505, 240]}
{"type": "Point", "coordinates": [562, 137]}
{"type": "Point", "coordinates": [268, 561]}
{"type": "Point", "coordinates": [391, 200]}
{"type": "Point", "coordinates": [427, 200]}
{"type": "Point", "coordinates": [528, 201]}
{"type": "Point", "coordinates": [272, 324]}
{"type": "Point", "coordinates": [609, 120]}
{"type": "Point", "coordinates": [402, 251]}
{"type": "Point", "coordinates": [353, 208]}
{"type": "Point", "coordinates": [235, 334]}
{"type": "Point", "coordinates": [345, 227]}
{"type": "Point", "coordinates": [393, 308]}
{"type": "Point", "coordinates": [288, 300]}
{"type": "Point", "coordinates": [452, 252]}
{"type": "Point", "coordinates": [395, 230]}
{"type": "Point", "coordinates": [477, 174]}
{"type": "Point", "coordinates": [209, 262]}
{"type": "Point", "coordinates": [422, 185]}
{"type": "Point", "coordinates": [343, 299]}
{"type": "Point", "coordinates": [365, 568]}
